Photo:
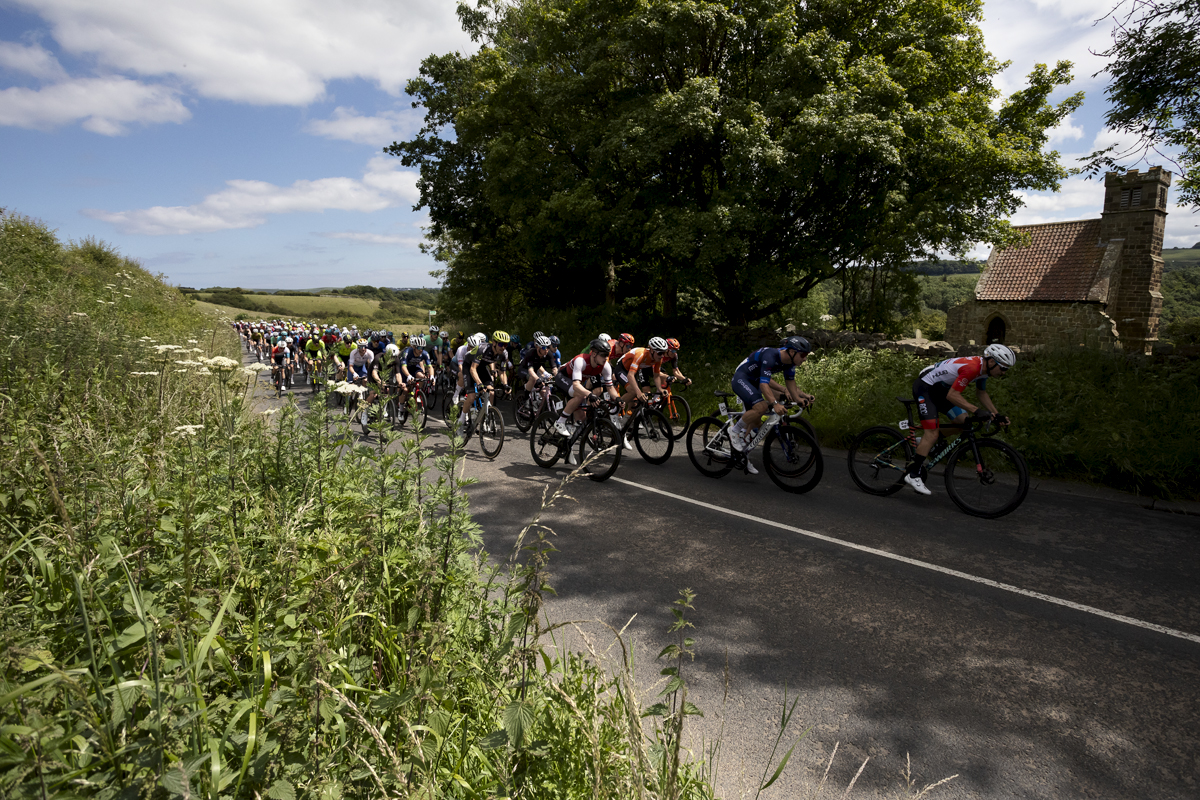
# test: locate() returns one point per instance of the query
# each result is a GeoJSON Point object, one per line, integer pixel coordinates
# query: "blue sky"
{"type": "Point", "coordinates": [230, 143]}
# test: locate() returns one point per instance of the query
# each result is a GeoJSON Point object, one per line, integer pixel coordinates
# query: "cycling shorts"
{"type": "Point", "coordinates": [746, 388]}
{"type": "Point", "coordinates": [931, 400]}
{"type": "Point", "coordinates": [620, 374]}
{"type": "Point", "coordinates": [469, 385]}
{"type": "Point", "coordinates": [564, 384]}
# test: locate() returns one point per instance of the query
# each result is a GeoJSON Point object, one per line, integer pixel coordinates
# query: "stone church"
{"type": "Point", "coordinates": [1089, 282]}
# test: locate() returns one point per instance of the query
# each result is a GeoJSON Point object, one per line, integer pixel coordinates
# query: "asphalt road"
{"type": "Point", "coordinates": [1017, 695]}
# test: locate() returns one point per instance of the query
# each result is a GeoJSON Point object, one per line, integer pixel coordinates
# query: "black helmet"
{"type": "Point", "coordinates": [600, 346]}
{"type": "Point", "coordinates": [797, 343]}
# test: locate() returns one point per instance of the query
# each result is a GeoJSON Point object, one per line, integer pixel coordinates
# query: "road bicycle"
{"type": "Point", "coordinates": [674, 408]}
{"type": "Point", "coordinates": [648, 427]}
{"type": "Point", "coordinates": [528, 406]}
{"type": "Point", "coordinates": [984, 476]}
{"type": "Point", "coordinates": [596, 438]}
{"type": "Point", "coordinates": [791, 456]}
{"type": "Point", "coordinates": [485, 420]}
{"type": "Point", "coordinates": [399, 407]}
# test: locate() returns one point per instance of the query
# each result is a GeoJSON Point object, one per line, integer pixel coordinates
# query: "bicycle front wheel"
{"type": "Point", "coordinates": [679, 414]}
{"type": "Point", "coordinates": [877, 460]}
{"type": "Point", "coordinates": [490, 427]}
{"type": "Point", "coordinates": [994, 486]}
{"type": "Point", "coordinates": [793, 459]}
{"type": "Point", "coordinates": [601, 440]}
{"type": "Point", "coordinates": [545, 441]}
{"type": "Point", "coordinates": [421, 404]}
{"type": "Point", "coordinates": [652, 436]}
{"type": "Point", "coordinates": [523, 408]}
{"type": "Point", "coordinates": [708, 447]}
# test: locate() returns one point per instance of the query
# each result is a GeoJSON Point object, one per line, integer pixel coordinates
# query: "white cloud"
{"type": "Point", "coordinates": [1064, 131]}
{"type": "Point", "coordinates": [380, 130]}
{"type": "Point", "coordinates": [247, 203]}
{"type": "Point", "coordinates": [105, 105]}
{"type": "Point", "coordinates": [1078, 195]}
{"type": "Point", "coordinates": [32, 60]}
{"type": "Point", "coordinates": [1045, 32]}
{"type": "Point", "coordinates": [265, 52]}
{"type": "Point", "coordinates": [375, 238]}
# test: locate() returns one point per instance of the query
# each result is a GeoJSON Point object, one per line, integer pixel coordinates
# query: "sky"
{"type": "Point", "coordinates": [225, 143]}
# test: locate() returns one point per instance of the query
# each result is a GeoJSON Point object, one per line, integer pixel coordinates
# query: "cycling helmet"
{"type": "Point", "coordinates": [625, 338]}
{"type": "Point", "coordinates": [540, 340]}
{"type": "Point", "coordinates": [536, 334]}
{"type": "Point", "coordinates": [346, 337]}
{"type": "Point", "coordinates": [555, 341]}
{"type": "Point", "coordinates": [434, 329]}
{"type": "Point", "coordinates": [604, 337]}
{"type": "Point", "coordinates": [601, 346]}
{"type": "Point", "coordinates": [288, 340]}
{"type": "Point", "coordinates": [515, 340]}
{"type": "Point", "coordinates": [392, 350]}
{"type": "Point", "coordinates": [658, 344]}
{"type": "Point", "coordinates": [797, 343]}
{"type": "Point", "coordinates": [673, 344]}
{"type": "Point", "coordinates": [477, 340]}
{"type": "Point", "coordinates": [417, 341]}
{"type": "Point", "coordinates": [1000, 354]}
{"type": "Point", "coordinates": [501, 337]}
{"type": "Point", "coordinates": [361, 343]}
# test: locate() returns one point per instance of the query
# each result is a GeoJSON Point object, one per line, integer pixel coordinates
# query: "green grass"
{"type": "Point", "coordinates": [307, 307]}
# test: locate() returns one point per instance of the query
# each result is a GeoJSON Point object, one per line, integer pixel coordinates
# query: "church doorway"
{"type": "Point", "coordinates": [996, 330]}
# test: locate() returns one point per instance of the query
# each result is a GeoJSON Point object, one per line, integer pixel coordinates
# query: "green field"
{"type": "Point", "coordinates": [309, 306]}
{"type": "Point", "coordinates": [1175, 259]}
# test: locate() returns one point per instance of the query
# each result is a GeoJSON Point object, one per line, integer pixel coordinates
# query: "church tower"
{"type": "Point", "coordinates": [1135, 213]}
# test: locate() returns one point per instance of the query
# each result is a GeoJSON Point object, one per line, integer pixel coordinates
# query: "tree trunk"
{"type": "Point", "coordinates": [610, 285]}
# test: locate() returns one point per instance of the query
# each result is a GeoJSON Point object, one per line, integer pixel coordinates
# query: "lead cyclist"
{"type": "Point", "coordinates": [938, 389]}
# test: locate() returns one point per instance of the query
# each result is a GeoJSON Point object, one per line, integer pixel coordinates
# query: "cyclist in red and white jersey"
{"type": "Point", "coordinates": [570, 380]}
{"type": "Point", "coordinates": [938, 389]}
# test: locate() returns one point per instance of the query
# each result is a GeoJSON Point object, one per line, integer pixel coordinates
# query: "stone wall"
{"type": "Point", "coordinates": [1029, 324]}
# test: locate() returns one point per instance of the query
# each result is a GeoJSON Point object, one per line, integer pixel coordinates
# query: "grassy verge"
{"type": "Point", "coordinates": [200, 601]}
{"type": "Point", "coordinates": [1081, 415]}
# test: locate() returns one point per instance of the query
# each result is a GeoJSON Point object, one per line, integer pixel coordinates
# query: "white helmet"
{"type": "Point", "coordinates": [658, 343]}
{"type": "Point", "coordinates": [416, 341]}
{"type": "Point", "coordinates": [604, 337]}
{"type": "Point", "coordinates": [288, 340]}
{"type": "Point", "coordinates": [541, 340]}
{"type": "Point", "coordinates": [1000, 354]}
{"type": "Point", "coordinates": [477, 340]}
{"type": "Point", "coordinates": [392, 349]}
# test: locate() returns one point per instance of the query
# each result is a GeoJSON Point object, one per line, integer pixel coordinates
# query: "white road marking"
{"type": "Point", "coordinates": [1099, 612]}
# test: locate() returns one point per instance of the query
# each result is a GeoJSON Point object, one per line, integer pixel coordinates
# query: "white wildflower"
{"type": "Point", "coordinates": [165, 348]}
{"type": "Point", "coordinates": [270, 411]}
{"type": "Point", "coordinates": [127, 295]}
{"type": "Point", "coordinates": [203, 371]}
{"type": "Point", "coordinates": [189, 363]}
{"type": "Point", "coordinates": [188, 430]}
{"type": "Point", "coordinates": [192, 341]}
{"type": "Point", "coordinates": [78, 314]}
{"type": "Point", "coordinates": [257, 366]}
{"type": "Point", "coordinates": [221, 362]}
{"type": "Point", "coordinates": [143, 373]}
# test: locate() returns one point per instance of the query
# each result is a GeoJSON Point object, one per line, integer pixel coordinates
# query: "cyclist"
{"type": "Point", "coordinates": [570, 381]}
{"type": "Point", "coordinates": [752, 383]}
{"type": "Point", "coordinates": [938, 389]}
{"type": "Point", "coordinates": [672, 362]}
{"type": "Point", "coordinates": [314, 350]}
{"type": "Point", "coordinates": [460, 355]}
{"type": "Point", "coordinates": [537, 362]}
{"type": "Point", "coordinates": [363, 367]}
{"type": "Point", "coordinates": [477, 369]}
{"type": "Point", "coordinates": [414, 364]}
{"type": "Point", "coordinates": [281, 357]}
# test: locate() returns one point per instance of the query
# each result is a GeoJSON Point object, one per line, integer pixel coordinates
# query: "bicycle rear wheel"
{"type": "Point", "coordinates": [545, 443]}
{"type": "Point", "coordinates": [600, 439]}
{"type": "Point", "coordinates": [421, 405]}
{"type": "Point", "coordinates": [490, 428]}
{"type": "Point", "coordinates": [793, 459]}
{"type": "Point", "coordinates": [679, 414]}
{"type": "Point", "coordinates": [708, 447]}
{"type": "Point", "coordinates": [652, 436]}
{"type": "Point", "coordinates": [877, 460]}
{"type": "Point", "coordinates": [993, 487]}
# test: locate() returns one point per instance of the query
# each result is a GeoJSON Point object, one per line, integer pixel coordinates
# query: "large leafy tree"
{"type": "Point", "coordinates": [1155, 90]}
{"type": "Point", "coordinates": [741, 151]}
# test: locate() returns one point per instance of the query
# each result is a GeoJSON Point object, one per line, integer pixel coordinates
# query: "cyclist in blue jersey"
{"type": "Point", "coordinates": [752, 383]}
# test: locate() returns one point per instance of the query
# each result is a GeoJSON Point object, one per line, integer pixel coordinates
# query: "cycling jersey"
{"type": "Point", "coordinates": [763, 363]}
{"type": "Point", "coordinates": [956, 373]}
{"type": "Point", "coordinates": [316, 348]}
{"type": "Point", "coordinates": [280, 353]}
{"type": "Point", "coordinates": [581, 365]}
{"type": "Point", "coordinates": [532, 359]}
{"type": "Point", "coordinates": [484, 356]}
{"type": "Point", "coordinates": [413, 359]}
{"type": "Point", "coordinates": [344, 350]}
{"type": "Point", "coordinates": [639, 358]}
{"type": "Point", "coordinates": [360, 362]}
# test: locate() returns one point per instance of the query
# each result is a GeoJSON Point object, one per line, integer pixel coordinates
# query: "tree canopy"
{"type": "Point", "coordinates": [1155, 89]}
{"type": "Point", "coordinates": [715, 156]}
